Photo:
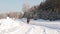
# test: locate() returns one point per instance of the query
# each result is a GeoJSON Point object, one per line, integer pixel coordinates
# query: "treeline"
{"type": "Point", "coordinates": [48, 10]}
{"type": "Point", "coordinates": [16, 15]}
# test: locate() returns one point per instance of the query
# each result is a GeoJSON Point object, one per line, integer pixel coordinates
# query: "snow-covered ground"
{"type": "Point", "coordinates": [12, 26]}
{"type": "Point", "coordinates": [46, 23]}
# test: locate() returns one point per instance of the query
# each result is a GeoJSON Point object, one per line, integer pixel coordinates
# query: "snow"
{"type": "Point", "coordinates": [46, 23]}
{"type": "Point", "coordinates": [12, 26]}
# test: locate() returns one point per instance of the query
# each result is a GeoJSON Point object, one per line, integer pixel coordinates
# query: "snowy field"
{"type": "Point", "coordinates": [19, 26]}
{"type": "Point", "coordinates": [46, 23]}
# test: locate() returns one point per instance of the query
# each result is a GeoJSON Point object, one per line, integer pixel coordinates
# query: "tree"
{"type": "Point", "coordinates": [48, 10]}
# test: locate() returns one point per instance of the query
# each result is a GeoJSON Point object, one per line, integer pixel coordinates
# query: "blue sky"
{"type": "Point", "coordinates": [16, 5]}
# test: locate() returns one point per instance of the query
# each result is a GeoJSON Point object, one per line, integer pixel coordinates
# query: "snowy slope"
{"type": "Point", "coordinates": [46, 23]}
{"type": "Point", "coordinates": [11, 26]}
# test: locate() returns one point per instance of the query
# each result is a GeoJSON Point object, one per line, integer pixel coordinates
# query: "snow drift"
{"type": "Point", "coordinates": [11, 26]}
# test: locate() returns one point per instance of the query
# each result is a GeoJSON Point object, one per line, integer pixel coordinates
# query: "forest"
{"type": "Point", "coordinates": [47, 10]}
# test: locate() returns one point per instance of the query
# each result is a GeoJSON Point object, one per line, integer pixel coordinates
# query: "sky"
{"type": "Point", "coordinates": [16, 5]}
